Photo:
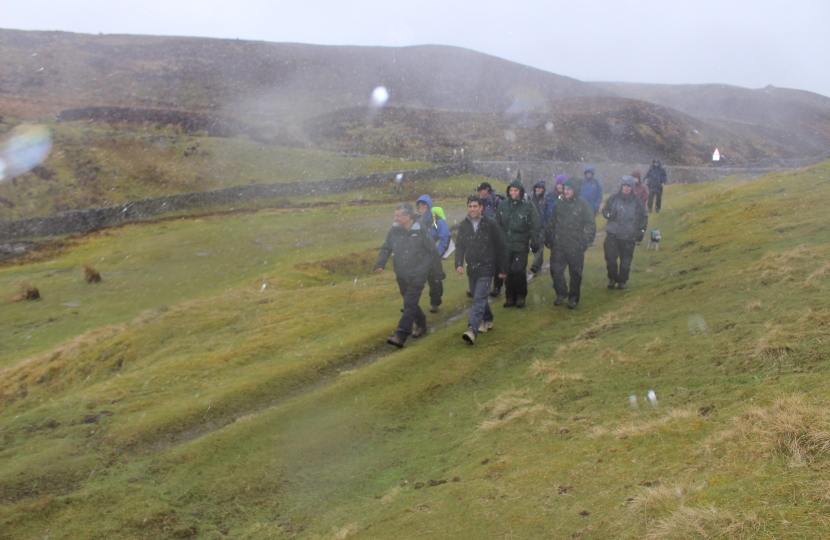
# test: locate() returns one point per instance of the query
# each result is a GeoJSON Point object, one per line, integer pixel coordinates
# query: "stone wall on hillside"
{"type": "Point", "coordinates": [96, 218]}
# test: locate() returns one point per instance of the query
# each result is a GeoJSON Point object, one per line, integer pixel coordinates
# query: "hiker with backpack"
{"type": "Point", "coordinates": [522, 226]}
{"type": "Point", "coordinates": [437, 227]}
{"type": "Point", "coordinates": [627, 223]}
{"type": "Point", "coordinates": [414, 257]}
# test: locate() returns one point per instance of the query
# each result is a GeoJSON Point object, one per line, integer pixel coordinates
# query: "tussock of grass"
{"type": "Point", "coordinates": [549, 373]}
{"type": "Point", "coordinates": [696, 523]}
{"type": "Point", "coordinates": [345, 532]}
{"type": "Point", "coordinates": [754, 306]}
{"type": "Point", "coordinates": [774, 344]}
{"type": "Point", "coordinates": [781, 266]}
{"type": "Point", "coordinates": [791, 427]}
{"type": "Point", "coordinates": [647, 427]}
{"type": "Point", "coordinates": [509, 406]}
{"type": "Point", "coordinates": [613, 356]}
{"type": "Point", "coordinates": [351, 265]}
{"type": "Point", "coordinates": [655, 346]}
{"type": "Point", "coordinates": [658, 500]}
{"type": "Point", "coordinates": [608, 321]}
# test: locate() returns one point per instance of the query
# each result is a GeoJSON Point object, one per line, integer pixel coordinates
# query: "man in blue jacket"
{"type": "Point", "coordinates": [440, 233]}
{"type": "Point", "coordinates": [415, 256]}
{"type": "Point", "coordinates": [591, 189]}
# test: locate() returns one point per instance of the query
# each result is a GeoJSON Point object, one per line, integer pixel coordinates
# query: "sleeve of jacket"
{"type": "Point", "coordinates": [443, 236]}
{"type": "Point", "coordinates": [502, 254]}
{"type": "Point", "coordinates": [535, 222]}
{"type": "Point", "coordinates": [435, 257]}
{"type": "Point", "coordinates": [608, 207]}
{"type": "Point", "coordinates": [589, 226]}
{"type": "Point", "coordinates": [642, 216]}
{"type": "Point", "coordinates": [549, 228]}
{"type": "Point", "coordinates": [664, 177]}
{"type": "Point", "coordinates": [385, 251]}
{"type": "Point", "coordinates": [461, 241]}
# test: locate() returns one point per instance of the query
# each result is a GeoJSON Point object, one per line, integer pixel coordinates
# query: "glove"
{"type": "Point", "coordinates": [641, 235]}
{"type": "Point", "coordinates": [439, 276]}
{"type": "Point", "coordinates": [534, 246]}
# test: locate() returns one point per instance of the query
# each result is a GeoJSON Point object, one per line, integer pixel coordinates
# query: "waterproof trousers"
{"type": "Point", "coordinates": [516, 280]}
{"type": "Point", "coordinates": [574, 259]}
{"type": "Point", "coordinates": [652, 194]}
{"type": "Point", "coordinates": [412, 312]}
{"type": "Point", "coordinates": [480, 311]}
{"type": "Point", "coordinates": [616, 248]}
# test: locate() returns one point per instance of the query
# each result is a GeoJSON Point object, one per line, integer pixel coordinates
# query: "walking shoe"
{"type": "Point", "coordinates": [510, 302]}
{"type": "Point", "coordinates": [495, 293]}
{"type": "Point", "coordinates": [621, 285]}
{"type": "Point", "coordinates": [559, 300]}
{"type": "Point", "coordinates": [419, 331]}
{"type": "Point", "coordinates": [396, 341]}
{"type": "Point", "coordinates": [611, 283]}
{"type": "Point", "coordinates": [485, 325]}
{"type": "Point", "coordinates": [433, 309]}
{"type": "Point", "coordinates": [572, 302]}
{"type": "Point", "coordinates": [520, 302]}
{"type": "Point", "coordinates": [470, 294]}
{"type": "Point", "coordinates": [469, 336]}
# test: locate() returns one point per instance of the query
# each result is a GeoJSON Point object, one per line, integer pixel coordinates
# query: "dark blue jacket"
{"type": "Point", "coordinates": [436, 226]}
{"type": "Point", "coordinates": [414, 251]}
{"type": "Point", "coordinates": [591, 190]}
{"type": "Point", "coordinates": [485, 248]}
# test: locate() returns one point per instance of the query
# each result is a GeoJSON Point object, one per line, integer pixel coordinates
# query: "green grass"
{"type": "Point", "coordinates": [230, 417]}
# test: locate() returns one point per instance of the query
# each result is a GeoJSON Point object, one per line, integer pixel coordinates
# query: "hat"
{"type": "Point", "coordinates": [561, 179]}
{"type": "Point", "coordinates": [627, 181]}
{"type": "Point", "coordinates": [484, 185]}
{"type": "Point", "coordinates": [571, 183]}
{"type": "Point", "coordinates": [636, 174]}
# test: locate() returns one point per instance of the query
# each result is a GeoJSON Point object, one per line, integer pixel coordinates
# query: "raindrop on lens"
{"type": "Point", "coordinates": [380, 96]}
{"type": "Point", "coordinates": [633, 400]}
{"type": "Point", "coordinates": [652, 397]}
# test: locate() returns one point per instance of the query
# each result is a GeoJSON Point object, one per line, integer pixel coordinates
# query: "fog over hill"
{"type": "Point", "coordinates": [286, 94]}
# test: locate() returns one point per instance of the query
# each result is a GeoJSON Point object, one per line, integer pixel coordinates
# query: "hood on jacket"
{"type": "Point", "coordinates": [425, 199]}
{"type": "Point", "coordinates": [438, 211]}
{"type": "Point", "coordinates": [541, 184]}
{"type": "Point", "coordinates": [627, 181]}
{"type": "Point", "coordinates": [589, 170]}
{"type": "Point", "coordinates": [516, 183]}
{"type": "Point", "coordinates": [659, 163]}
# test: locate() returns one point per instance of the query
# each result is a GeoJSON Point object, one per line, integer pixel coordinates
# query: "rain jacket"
{"type": "Point", "coordinates": [656, 176]}
{"type": "Point", "coordinates": [519, 219]}
{"type": "Point", "coordinates": [414, 251]}
{"type": "Point", "coordinates": [485, 248]}
{"type": "Point", "coordinates": [436, 224]}
{"type": "Point", "coordinates": [591, 190]}
{"type": "Point", "coordinates": [491, 204]}
{"type": "Point", "coordinates": [626, 215]}
{"type": "Point", "coordinates": [539, 201]}
{"type": "Point", "coordinates": [571, 224]}
{"type": "Point", "coordinates": [641, 191]}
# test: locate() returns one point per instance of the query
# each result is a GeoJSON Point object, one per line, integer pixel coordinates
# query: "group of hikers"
{"type": "Point", "coordinates": [498, 234]}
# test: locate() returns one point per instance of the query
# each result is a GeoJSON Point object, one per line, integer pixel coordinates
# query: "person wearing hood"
{"type": "Point", "coordinates": [482, 243]}
{"type": "Point", "coordinates": [591, 189]}
{"type": "Point", "coordinates": [627, 223]}
{"type": "Point", "coordinates": [569, 233]}
{"type": "Point", "coordinates": [521, 224]}
{"type": "Point", "coordinates": [552, 196]}
{"type": "Point", "coordinates": [489, 199]}
{"type": "Point", "coordinates": [414, 256]}
{"type": "Point", "coordinates": [440, 233]}
{"type": "Point", "coordinates": [537, 198]}
{"type": "Point", "coordinates": [640, 189]}
{"type": "Point", "coordinates": [656, 179]}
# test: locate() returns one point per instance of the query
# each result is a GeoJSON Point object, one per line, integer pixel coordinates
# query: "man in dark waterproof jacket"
{"type": "Point", "coordinates": [570, 232]}
{"type": "Point", "coordinates": [415, 254]}
{"type": "Point", "coordinates": [538, 200]}
{"type": "Point", "coordinates": [591, 189]}
{"type": "Point", "coordinates": [627, 223]}
{"type": "Point", "coordinates": [482, 243]}
{"type": "Point", "coordinates": [656, 178]}
{"type": "Point", "coordinates": [490, 202]}
{"type": "Point", "coordinates": [521, 225]}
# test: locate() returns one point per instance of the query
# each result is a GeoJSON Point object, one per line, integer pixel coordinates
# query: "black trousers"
{"type": "Point", "coordinates": [516, 280]}
{"type": "Point", "coordinates": [436, 289]}
{"type": "Point", "coordinates": [616, 248]}
{"type": "Point", "coordinates": [412, 312]}
{"type": "Point", "coordinates": [652, 193]}
{"type": "Point", "coordinates": [574, 259]}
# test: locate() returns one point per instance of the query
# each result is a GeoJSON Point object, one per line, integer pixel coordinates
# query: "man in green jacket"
{"type": "Point", "coordinates": [521, 224]}
{"type": "Point", "coordinates": [570, 232]}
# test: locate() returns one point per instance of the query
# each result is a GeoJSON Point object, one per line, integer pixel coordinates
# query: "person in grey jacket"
{"type": "Point", "coordinates": [415, 254]}
{"type": "Point", "coordinates": [627, 223]}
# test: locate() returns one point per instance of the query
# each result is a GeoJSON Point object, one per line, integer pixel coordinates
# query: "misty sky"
{"type": "Point", "coordinates": [743, 43]}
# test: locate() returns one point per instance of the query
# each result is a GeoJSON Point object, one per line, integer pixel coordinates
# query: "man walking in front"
{"type": "Point", "coordinates": [570, 232]}
{"type": "Point", "coordinates": [484, 246]}
{"type": "Point", "coordinates": [656, 179]}
{"type": "Point", "coordinates": [415, 254]}
{"type": "Point", "coordinates": [627, 222]}
{"type": "Point", "coordinates": [521, 224]}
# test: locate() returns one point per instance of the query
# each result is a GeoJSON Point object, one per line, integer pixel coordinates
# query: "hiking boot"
{"type": "Point", "coordinates": [520, 302]}
{"type": "Point", "coordinates": [470, 294]}
{"type": "Point", "coordinates": [420, 331]}
{"type": "Point", "coordinates": [510, 302]}
{"type": "Point", "coordinates": [495, 293]}
{"type": "Point", "coordinates": [485, 325]}
{"type": "Point", "coordinates": [469, 336]}
{"type": "Point", "coordinates": [621, 285]}
{"type": "Point", "coordinates": [611, 283]}
{"type": "Point", "coordinates": [396, 341]}
{"type": "Point", "coordinates": [559, 300]}
{"type": "Point", "coordinates": [572, 302]}
{"type": "Point", "coordinates": [433, 309]}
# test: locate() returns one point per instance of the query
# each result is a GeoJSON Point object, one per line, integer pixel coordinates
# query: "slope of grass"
{"type": "Point", "coordinates": [229, 417]}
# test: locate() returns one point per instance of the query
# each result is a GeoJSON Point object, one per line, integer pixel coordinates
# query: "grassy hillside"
{"type": "Point", "coordinates": [184, 401]}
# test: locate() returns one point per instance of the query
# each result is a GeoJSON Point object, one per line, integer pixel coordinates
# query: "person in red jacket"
{"type": "Point", "coordinates": [640, 188]}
